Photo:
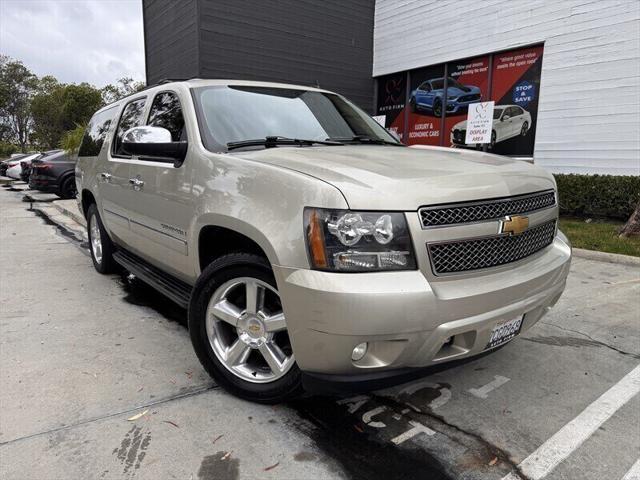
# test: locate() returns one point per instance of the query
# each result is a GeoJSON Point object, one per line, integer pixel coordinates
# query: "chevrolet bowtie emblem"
{"type": "Point", "coordinates": [514, 225]}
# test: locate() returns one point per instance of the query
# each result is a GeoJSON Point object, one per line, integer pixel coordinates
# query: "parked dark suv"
{"type": "Point", "coordinates": [55, 174]}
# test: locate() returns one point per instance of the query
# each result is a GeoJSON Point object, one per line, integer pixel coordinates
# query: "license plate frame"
{"type": "Point", "coordinates": [504, 331]}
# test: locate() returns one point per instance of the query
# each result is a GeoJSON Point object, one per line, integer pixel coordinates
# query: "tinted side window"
{"type": "Point", "coordinates": [166, 112]}
{"type": "Point", "coordinates": [131, 117]}
{"type": "Point", "coordinates": [95, 133]}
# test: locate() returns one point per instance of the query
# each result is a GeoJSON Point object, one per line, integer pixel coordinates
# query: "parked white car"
{"type": "Point", "coordinates": [15, 168]}
{"type": "Point", "coordinates": [508, 121]}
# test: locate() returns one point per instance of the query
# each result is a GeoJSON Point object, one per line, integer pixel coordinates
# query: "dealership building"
{"type": "Point", "coordinates": [563, 76]}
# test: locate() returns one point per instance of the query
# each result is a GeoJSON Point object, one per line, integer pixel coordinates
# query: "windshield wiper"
{"type": "Point", "coordinates": [365, 139]}
{"type": "Point", "coordinates": [269, 142]}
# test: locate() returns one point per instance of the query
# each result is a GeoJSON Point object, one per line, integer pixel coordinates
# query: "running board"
{"type": "Point", "coordinates": [168, 285]}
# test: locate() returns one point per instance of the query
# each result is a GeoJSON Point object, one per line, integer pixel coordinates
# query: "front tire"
{"type": "Point", "coordinates": [524, 129]}
{"type": "Point", "coordinates": [100, 244]}
{"type": "Point", "coordinates": [437, 107]}
{"type": "Point", "coordinates": [238, 330]}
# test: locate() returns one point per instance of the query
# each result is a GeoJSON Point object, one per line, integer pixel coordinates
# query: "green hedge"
{"type": "Point", "coordinates": [598, 195]}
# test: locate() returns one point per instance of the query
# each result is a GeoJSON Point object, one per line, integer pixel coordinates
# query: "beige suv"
{"type": "Point", "coordinates": [313, 250]}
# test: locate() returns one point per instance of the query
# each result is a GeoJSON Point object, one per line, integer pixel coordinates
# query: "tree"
{"type": "Point", "coordinates": [72, 139]}
{"type": "Point", "coordinates": [59, 108]}
{"type": "Point", "coordinates": [123, 87]}
{"type": "Point", "coordinates": [47, 112]}
{"type": "Point", "coordinates": [17, 85]}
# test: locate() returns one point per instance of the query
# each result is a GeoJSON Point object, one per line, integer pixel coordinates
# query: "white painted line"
{"type": "Point", "coordinates": [549, 455]}
{"type": "Point", "coordinates": [417, 428]}
{"type": "Point", "coordinates": [367, 417]}
{"type": "Point", "coordinates": [483, 392]}
{"type": "Point", "coordinates": [634, 472]}
{"type": "Point", "coordinates": [354, 402]}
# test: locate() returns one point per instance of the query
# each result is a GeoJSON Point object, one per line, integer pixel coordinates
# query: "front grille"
{"type": "Point", "coordinates": [469, 98]}
{"type": "Point", "coordinates": [465, 255]}
{"type": "Point", "coordinates": [485, 209]}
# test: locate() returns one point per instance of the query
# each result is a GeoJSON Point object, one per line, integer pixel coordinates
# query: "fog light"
{"type": "Point", "coordinates": [359, 351]}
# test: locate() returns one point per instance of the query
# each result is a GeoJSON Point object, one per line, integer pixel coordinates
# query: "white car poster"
{"type": "Point", "coordinates": [479, 123]}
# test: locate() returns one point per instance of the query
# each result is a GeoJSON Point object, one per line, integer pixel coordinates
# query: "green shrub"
{"type": "Point", "coordinates": [608, 196]}
{"type": "Point", "coordinates": [7, 149]}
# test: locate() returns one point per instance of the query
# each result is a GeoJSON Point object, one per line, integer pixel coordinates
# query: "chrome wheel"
{"type": "Point", "coordinates": [247, 330]}
{"type": "Point", "coordinates": [96, 240]}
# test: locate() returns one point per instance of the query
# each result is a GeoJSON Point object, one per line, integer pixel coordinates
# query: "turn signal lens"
{"type": "Point", "coordinates": [315, 237]}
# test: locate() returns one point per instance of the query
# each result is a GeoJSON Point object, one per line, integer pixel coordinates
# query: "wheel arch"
{"type": "Point", "coordinates": [217, 235]}
{"type": "Point", "coordinates": [87, 198]}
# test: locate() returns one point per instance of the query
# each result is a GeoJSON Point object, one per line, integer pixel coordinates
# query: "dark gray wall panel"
{"type": "Point", "coordinates": [326, 43]}
{"type": "Point", "coordinates": [311, 42]}
{"type": "Point", "coordinates": [171, 39]}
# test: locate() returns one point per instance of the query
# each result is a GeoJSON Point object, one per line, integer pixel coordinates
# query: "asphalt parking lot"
{"type": "Point", "coordinates": [98, 379]}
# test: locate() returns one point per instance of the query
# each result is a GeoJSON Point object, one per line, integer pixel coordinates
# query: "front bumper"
{"type": "Point", "coordinates": [409, 321]}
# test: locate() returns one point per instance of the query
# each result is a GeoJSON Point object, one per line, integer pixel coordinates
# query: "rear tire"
{"type": "Point", "coordinates": [68, 188]}
{"type": "Point", "coordinates": [100, 244]}
{"type": "Point", "coordinates": [233, 340]}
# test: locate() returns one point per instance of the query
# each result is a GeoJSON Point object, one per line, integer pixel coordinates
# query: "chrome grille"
{"type": "Point", "coordinates": [465, 255]}
{"type": "Point", "coordinates": [485, 209]}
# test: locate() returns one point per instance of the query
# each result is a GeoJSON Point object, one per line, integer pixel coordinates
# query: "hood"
{"type": "Point", "coordinates": [379, 177]}
{"type": "Point", "coordinates": [460, 125]}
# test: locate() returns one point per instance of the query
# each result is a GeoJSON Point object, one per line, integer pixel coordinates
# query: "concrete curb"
{"type": "Point", "coordinates": [606, 257]}
{"type": "Point", "coordinates": [70, 209]}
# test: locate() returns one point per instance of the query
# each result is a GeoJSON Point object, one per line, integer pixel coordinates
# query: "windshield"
{"type": "Point", "coordinates": [438, 83]}
{"type": "Point", "coordinates": [239, 113]}
{"type": "Point", "coordinates": [496, 113]}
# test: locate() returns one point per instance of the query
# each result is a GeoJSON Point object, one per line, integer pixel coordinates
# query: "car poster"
{"type": "Point", "coordinates": [392, 92]}
{"type": "Point", "coordinates": [468, 83]}
{"type": "Point", "coordinates": [515, 88]}
{"type": "Point", "coordinates": [510, 79]}
{"type": "Point", "coordinates": [425, 106]}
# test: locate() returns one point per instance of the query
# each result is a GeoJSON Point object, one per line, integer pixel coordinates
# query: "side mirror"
{"type": "Point", "coordinates": [155, 144]}
{"type": "Point", "coordinates": [505, 118]}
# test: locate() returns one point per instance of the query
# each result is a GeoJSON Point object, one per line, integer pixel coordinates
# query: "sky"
{"type": "Point", "coordinates": [94, 41]}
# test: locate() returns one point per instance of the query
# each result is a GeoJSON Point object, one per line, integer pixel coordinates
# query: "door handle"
{"type": "Point", "coordinates": [105, 176]}
{"type": "Point", "coordinates": [136, 182]}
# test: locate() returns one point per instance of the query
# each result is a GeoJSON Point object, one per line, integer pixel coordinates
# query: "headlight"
{"type": "Point", "coordinates": [348, 241]}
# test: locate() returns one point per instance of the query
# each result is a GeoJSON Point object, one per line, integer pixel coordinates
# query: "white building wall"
{"type": "Point", "coordinates": [589, 111]}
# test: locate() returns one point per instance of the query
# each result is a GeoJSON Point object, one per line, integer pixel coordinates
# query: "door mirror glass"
{"type": "Point", "coordinates": [153, 143]}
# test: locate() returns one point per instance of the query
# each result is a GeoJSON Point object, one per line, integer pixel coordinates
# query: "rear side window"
{"type": "Point", "coordinates": [95, 133]}
{"type": "Point", "coordinates": [166, 112]}
{"type": "Point", "coordinates": [131, 117]}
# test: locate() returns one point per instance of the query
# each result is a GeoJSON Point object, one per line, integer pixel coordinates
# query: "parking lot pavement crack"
{"type": "Point", "coordinates": [596, 342]}
{"type": "Point", "coordinates": [441, 425]}
{"type": "Point", "coordinates": [87, 421]}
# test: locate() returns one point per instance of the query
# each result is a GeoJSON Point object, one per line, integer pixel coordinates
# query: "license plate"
{"type": "Point", "coordinates": [504, 331]}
